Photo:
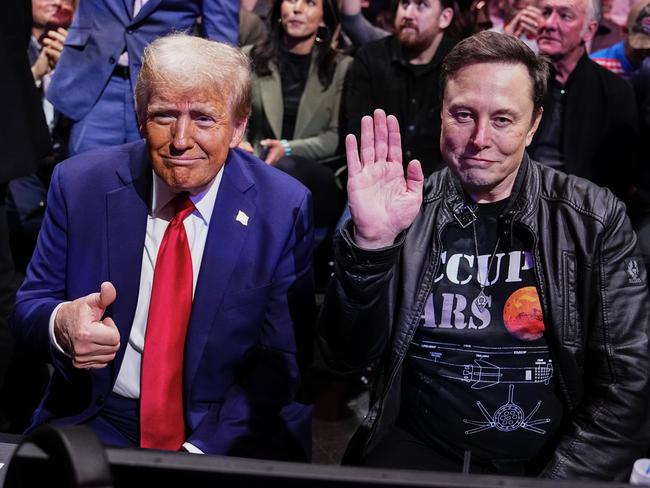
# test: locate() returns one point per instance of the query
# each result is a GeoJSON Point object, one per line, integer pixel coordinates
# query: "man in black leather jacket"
{"type": "Point", "coordinates": [504, 302]}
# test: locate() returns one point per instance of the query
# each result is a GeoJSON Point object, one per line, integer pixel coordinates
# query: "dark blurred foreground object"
{"type": "Point", "coordinates": [76, 458]}
{"type": "Point", "coordinates": [65, 456]}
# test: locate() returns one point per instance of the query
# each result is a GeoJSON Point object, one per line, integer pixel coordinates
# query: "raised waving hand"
{"type": "Point", "coordinates": [383, 201]}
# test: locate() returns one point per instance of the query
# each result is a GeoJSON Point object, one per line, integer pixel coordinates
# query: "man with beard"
{"type": "Point", "coordinates": [590, 124]}
{"type": "Point", "coordinates": [400, 74]}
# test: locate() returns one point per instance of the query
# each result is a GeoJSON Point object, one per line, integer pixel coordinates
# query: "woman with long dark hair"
{"type": "Point", "coordinates": [297, 84]}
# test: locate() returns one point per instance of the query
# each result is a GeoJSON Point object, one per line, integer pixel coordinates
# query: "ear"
{"type": "Point", "coordinates": [142, 128]}
{"type": "Point", "coordinates": [239, 129]}
{"type": "Point", "coordinates": [445, 18]}
{"type": "Point", "coordinates": [590, 31]}
{"type": "Point", "coordinates": [534, 126]}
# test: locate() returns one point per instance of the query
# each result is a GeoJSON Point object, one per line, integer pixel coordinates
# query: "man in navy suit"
{"type": "Point", "coordinates": [95, 77]}
{"type": "Point", "coordinates": [86, 297]}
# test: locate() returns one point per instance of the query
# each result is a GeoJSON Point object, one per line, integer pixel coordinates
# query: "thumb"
{"type": "Point", "coordinates": [414, 177]}
{"type": "Point", "coordinates": [264, 142]}
{"type": "Point", "coordinates": [105, 297]}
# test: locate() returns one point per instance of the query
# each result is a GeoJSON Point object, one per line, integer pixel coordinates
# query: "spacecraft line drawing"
{"type": "Point", "coordinates": [507, 418]}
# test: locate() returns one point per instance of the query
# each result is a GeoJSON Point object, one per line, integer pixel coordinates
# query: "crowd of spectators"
{"type": "Point", "coordinates": [308, 92]}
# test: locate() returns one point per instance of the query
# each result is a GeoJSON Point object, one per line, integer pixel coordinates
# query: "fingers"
{"type": "Point", "coordinates": [394, 140]}
{"type": "Point", "coordinates": [352, 155]}
{"type": "Point", "coordinates": [58, 35]}
{"type": "Point", "coordinates": [414, 177]}
{"type": "Point", "coordinates": [367, 140]}
{"type": "Point", "coordinates": [99, 348]}
{"type": "Point", "coordinates": [381, 135]}
{"type": "Point", "coordinates": [95, 345]}
{"type": "Point", "coordinates": [54, 40]}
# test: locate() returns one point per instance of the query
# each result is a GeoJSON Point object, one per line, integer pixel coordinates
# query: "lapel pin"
{"type": "Point", "coordinates": [242, 218]}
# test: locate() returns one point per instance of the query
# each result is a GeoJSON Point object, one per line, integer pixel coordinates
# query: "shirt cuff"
{"type": "Point", "coordinates": [192, 448]}
{"type": "Point", "coordinates": [53, 342]}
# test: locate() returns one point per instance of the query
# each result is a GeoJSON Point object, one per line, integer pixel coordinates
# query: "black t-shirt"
{"type": "Point", "coordinates": [293, 73]}
{"type": "Point", "coordinates": [476, 377]}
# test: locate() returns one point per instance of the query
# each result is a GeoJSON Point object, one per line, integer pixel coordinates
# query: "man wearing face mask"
{"type": "Point", "coordinates": [590, 125]}
{"type": "Point", "coordinates": [400, 74]}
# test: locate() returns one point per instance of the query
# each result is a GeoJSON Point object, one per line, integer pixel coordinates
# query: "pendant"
{"type": "Point", "coordinates": [481, 301]}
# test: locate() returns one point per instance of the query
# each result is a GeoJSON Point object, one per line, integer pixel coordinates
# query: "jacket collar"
{"type": "Point", "coordinates": [520, 208]}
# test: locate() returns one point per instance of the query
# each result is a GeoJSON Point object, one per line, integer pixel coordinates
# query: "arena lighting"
{"type": "Point", "coordinates": [31, 466]}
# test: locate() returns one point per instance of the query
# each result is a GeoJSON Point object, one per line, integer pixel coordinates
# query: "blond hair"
{"type": "Point", "coordinates": [184, 62]}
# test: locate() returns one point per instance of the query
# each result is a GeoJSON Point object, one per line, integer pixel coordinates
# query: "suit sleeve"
{"type": "Point", "coordinates": [609, 428]}
{"type": "Point", "coordinates": [260, 416]}
{"type": "Point", "coordinates": [221, 20]}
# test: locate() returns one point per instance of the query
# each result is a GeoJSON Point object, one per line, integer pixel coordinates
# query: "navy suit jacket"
{"type": "Point", "coordinates": [102, 29]}
{"type": "Point", "coordinates": [253, 300]}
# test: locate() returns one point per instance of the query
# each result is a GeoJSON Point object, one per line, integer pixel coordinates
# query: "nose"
{"type": "Point", "coordinates": [549, 21]}
{"type": "Point", "coordinates": [481, 136]}
{"type": "Point", "coordinates": [409, 10]}
{"type": "Point", "coordinates": [298, 6]}
{"type": "Point", "coordinates": [182, 134]}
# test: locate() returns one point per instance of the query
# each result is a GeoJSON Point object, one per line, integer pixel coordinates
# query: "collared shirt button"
{"type": "Point", "coordinates": [100, 400]}
{"type": "Point", "coordinates": [411, 128]}
{"type": "Point", "coordinates": [111, 60]}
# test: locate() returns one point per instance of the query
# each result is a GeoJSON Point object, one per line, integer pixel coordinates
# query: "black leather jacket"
{"type": "Point", "coordinates": [592, 287]}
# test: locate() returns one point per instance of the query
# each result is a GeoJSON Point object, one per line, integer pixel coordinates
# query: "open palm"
{"type": "Point", "coordinates": [383, 201]}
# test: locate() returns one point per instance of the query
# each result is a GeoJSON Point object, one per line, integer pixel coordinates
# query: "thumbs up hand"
{"type": "Point", "coordinates": [80, 331]}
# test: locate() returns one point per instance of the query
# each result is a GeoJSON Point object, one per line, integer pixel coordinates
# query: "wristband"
{"type": "Point", "coordinates": [286, 146]}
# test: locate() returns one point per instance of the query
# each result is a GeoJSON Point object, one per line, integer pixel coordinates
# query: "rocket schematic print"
{"type": "Point", "coordinates": [508, 417]}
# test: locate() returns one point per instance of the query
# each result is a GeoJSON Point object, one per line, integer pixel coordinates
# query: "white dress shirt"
{"type": "Point", "coordinates": [196, 227]}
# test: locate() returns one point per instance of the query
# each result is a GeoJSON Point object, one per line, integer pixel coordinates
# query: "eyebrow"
{"type": "Point", "coordinates": [194, 107]}
{"type": "Point", "coordinates": [562, 8]}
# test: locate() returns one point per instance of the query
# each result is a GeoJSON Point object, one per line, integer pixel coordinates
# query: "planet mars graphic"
{"type": "Point", "coordinates": [522, 314]}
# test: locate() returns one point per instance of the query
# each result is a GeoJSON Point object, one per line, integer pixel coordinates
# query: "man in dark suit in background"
{"type": "Point", "coordinates": [94, 81]}
{"type": "Point", "coordinates": [590, 126]}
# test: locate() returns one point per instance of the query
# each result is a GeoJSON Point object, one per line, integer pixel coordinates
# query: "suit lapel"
{"type": "Point", "coordinates": [146, 9]}
{"type": "Point", "coordinates": [224, 243]}
{"type": "Point", "coordinates": [127, 210]}
{"type": "Point", "coordinates": [271, 91]}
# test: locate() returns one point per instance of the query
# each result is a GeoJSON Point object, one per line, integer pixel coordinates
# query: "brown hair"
{"type": "Point", "coordinates": [493, 47]}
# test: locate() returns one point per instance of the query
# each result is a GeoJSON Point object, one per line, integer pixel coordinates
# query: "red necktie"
{"type": "Point", "coordinates": [162, 424]}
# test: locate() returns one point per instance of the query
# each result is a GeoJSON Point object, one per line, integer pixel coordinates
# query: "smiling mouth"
{"type": "Point", "coordinates": [180, 161]}
{"type": "Point", "coordinates": [474, 161]}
